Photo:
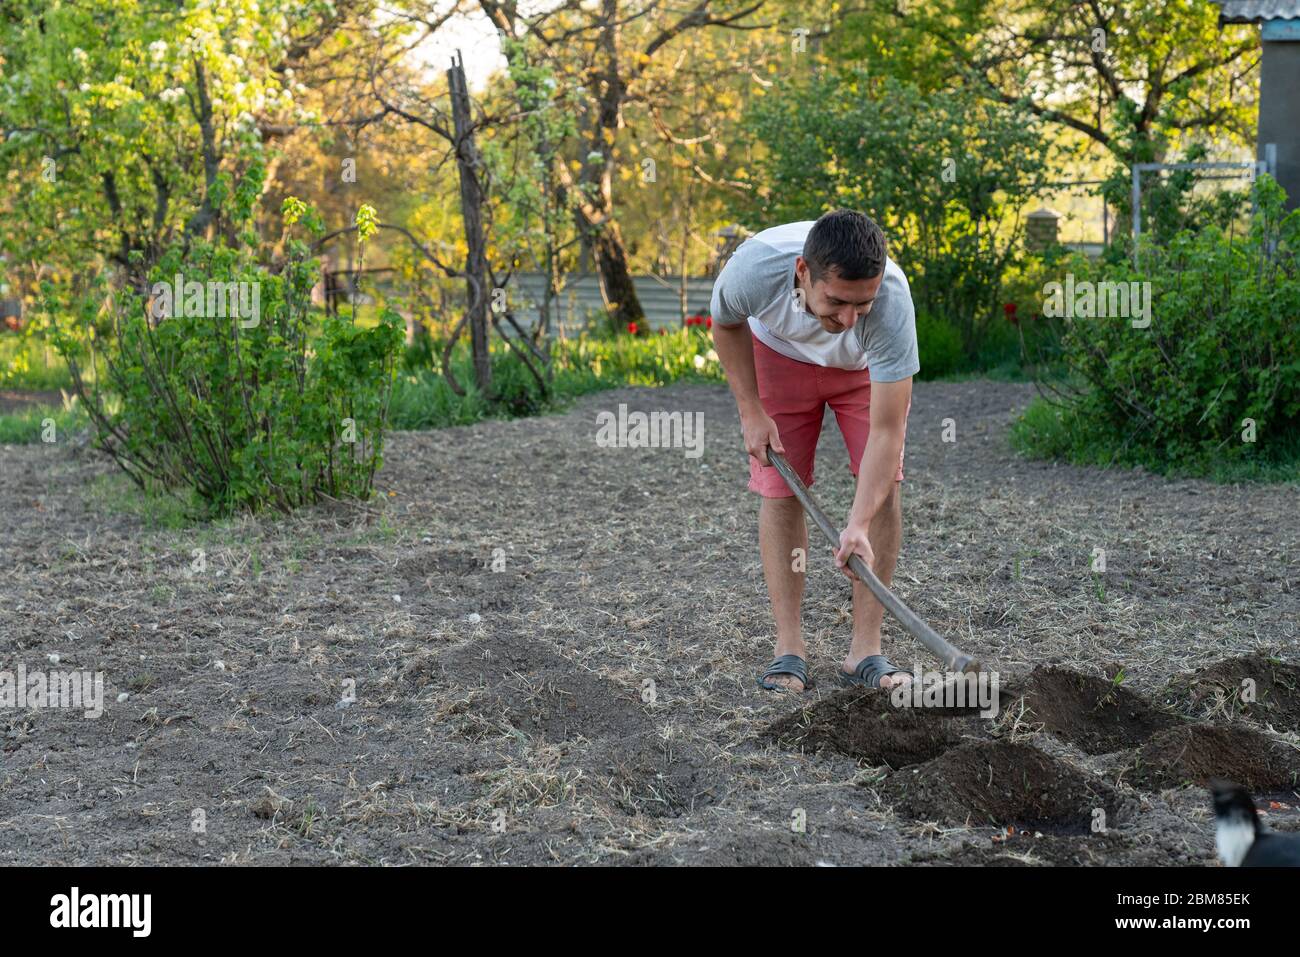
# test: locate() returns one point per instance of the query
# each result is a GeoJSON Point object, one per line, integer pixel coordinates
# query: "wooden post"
{"type": "Point", "coordinates": [472, 198]}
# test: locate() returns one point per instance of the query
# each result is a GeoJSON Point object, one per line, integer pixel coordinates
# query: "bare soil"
{"type": "Point", "coordinates": [1267, 690]}
{"type": "Point", "coordinates": [1195, 754]}
{"type": "Point", "coordinates": [1097, 715]}
{"type": "Point", "coordinates": [533, 650]}
{"type": "Point", "coordinates": [1003, 783]}
{"type": "Point", "coordinates": [19, 400]}
{"type": "Point", "coordinates": [863, 724]}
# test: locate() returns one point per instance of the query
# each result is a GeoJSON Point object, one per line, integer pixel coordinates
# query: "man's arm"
{"type": "Point", "coordinates": [879, 466]}
{"type": "Point", "coordinates": [735, 347]}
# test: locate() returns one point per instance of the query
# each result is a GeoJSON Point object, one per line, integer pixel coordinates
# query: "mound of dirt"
{"type": "Point", "coordinates": [1001, 783]}
{"type": "Point", "coordinates": [1195, 753]}
{"type": "Point", "coordinates": [1095, 715]}
{"type": "Point", "coordinates": [863, 724]}
{"type": "Point", "coordinates": [539, 692]}
{"type": "Point", "coordinates": [1222, 688]}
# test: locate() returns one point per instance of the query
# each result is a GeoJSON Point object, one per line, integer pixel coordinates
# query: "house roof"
{"type": "Point", "coordinates": [1257, 11]}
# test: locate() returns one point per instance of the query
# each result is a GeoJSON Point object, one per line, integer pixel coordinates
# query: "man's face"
{"type": "Point", "coordinates": [836, 303]}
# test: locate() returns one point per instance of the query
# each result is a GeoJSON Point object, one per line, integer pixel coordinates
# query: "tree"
{"type": "Point", "coordinates": [124, 125]}
{"type": "Point", "coordinates": [1135, 78]}
{"type": "Point", "coordinates": [940, 171]}
{"type": "Point", "coordinates": [603, 52]}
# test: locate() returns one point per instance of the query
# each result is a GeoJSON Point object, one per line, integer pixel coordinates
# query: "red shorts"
{"type": "Point", "coordinates": [795, 395]}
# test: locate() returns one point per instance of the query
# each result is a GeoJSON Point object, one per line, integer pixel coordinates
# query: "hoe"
{"type": "Point", "coordinates": [953, 659]}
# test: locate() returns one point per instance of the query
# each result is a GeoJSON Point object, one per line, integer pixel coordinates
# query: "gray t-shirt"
{"type": "Point", "coordinates": [757, 285]}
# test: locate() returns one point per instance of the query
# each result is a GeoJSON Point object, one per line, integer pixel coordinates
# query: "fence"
{"type": "Point", "coordinates": [1251, 169]}
{"type": "Point", "coordinates": [660, 298]}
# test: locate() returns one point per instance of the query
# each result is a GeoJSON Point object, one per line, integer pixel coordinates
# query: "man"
{"type": "Point", "coordinates": [808, 315]}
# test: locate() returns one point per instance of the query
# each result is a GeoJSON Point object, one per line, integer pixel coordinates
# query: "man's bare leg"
{"type": "Point", "coordinates": [781, 529]}
{"type": "Point", "coordinates": [886, 536]}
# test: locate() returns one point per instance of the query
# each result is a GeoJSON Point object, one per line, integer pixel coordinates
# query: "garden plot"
{"type": "Point", "coordinates": [533, 650]}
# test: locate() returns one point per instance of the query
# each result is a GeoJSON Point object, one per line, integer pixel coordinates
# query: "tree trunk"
{"type": "Point", "coordinates": [596, 206]}
{"type": "Point", "coordinates": [616, 286]}
{"type": "Point", "coordinates": [471, 208]}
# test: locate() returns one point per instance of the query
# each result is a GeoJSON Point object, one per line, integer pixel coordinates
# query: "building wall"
{"type": "Point", "coordinates": [1279, 112]}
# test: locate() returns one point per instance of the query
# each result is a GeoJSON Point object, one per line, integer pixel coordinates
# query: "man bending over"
{"type": "Point", "coordinates": [809, 315]}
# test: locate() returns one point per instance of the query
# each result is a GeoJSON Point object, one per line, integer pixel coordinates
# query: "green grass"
{"type": "Point", "coordinates": [1050, 431]}
{"type": "Point", "coordinates": [582, 365]}
{"type": "Point", "coordinates": [28, 426]}
{"type": "Point", "coordinates": [159, 510]}
{"type": "Point", "coordinates": [28, 362]}
{"type": "Point", "coordinates": [422, 399]}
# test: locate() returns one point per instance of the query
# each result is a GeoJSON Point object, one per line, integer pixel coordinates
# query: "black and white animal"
{"type": "Point", "coordinates": [1241, 837]}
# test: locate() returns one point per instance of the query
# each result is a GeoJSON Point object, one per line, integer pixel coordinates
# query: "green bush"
{"type": "Point", "coordinates": [248, 410]}
{"type": "Point", "coordinates": [1215, 378]}
{"type": "Point", "coordinates": [1007, 350]}
{"type": "Point", "coordinates": [939, 344]}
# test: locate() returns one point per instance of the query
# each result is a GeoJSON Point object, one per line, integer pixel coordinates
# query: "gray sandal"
{"type": "Point", "coordinates": [791, 665]}
{"type": "Point", "coordinates": [870, 670]}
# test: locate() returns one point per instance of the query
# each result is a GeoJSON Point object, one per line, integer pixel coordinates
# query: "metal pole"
{"type": "Point", "coordinates": [1137, 210]}
{"type": "Point", "coordinates": [1270, 167]}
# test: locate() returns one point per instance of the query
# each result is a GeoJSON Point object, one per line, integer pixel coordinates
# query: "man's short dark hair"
{"type": "Point", "coordinates": [848, 242]}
